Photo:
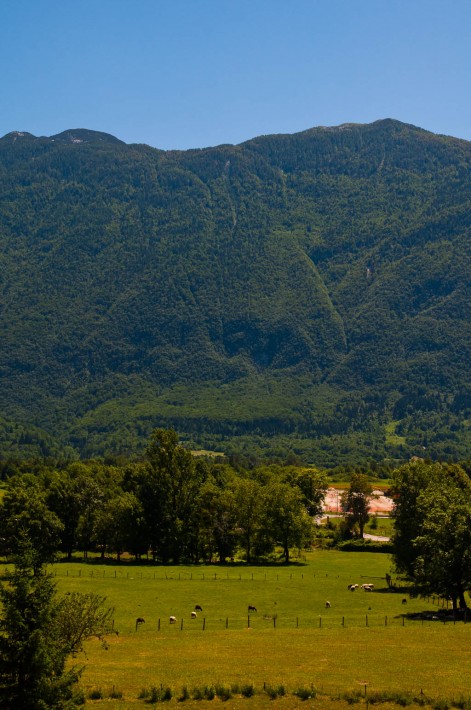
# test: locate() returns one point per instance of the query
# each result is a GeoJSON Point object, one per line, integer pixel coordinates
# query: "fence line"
{"type": "Point", "coordinates": [121, 573]}
{"type": "Point", "coordinates": [286, 623]}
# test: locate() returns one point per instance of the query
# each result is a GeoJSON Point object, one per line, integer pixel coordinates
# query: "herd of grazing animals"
{"type": "Point", "coordinates": [251, 608]}
{"type": "Point", "coordinates": [198, 607]}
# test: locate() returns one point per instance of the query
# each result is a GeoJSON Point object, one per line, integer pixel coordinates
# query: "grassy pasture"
{"type": "Point", "coordinates": [384, 526]}
{"type": "Point", "coordinates": [332, 648]}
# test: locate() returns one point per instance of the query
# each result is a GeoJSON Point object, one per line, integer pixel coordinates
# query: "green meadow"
{"type": "Point", "coordinates": [365, 642]}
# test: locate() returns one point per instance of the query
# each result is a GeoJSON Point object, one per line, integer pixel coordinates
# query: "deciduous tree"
{"type": "Point", "coordinates": [356, 501]}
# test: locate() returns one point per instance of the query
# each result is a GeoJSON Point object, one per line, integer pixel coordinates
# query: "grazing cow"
{"type": "Point", "coordinates": [352, 587]}
{"type": "Point", "coordinates": [173, 619]}
{"type": "Point", "coordinates": [368, 587]}
{"type": "Point", "coordinates": [327, 605]}
{"type": "Point", "coordinates": [198, 607]}
{"type": "Point", "coordinates": [404, 601]}
{"type": "Point", "coordinates": [252, 608]}
{"type": "Point", "coordinates": [193, 614]}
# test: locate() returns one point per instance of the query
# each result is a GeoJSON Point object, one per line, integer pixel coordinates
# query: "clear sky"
{"type": "Point", "coordinates": [193, 73]}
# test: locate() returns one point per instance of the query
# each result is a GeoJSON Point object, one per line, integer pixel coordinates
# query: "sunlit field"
{"type": "Point", "coordinates": [364, 642]}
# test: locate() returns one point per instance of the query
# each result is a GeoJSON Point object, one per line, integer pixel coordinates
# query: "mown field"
{"type": "Point", "coordinates": [363, 642]}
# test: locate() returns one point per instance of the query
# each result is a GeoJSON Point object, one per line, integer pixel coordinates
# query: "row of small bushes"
{"type": "Point", "coordinates": [405, 699]}
{"type": "Point", "coordinates": [99, 694]}
{"type": "Point", "coordinates": [224, 692]}
{"type": "Point", "coordinates": [161, 694]}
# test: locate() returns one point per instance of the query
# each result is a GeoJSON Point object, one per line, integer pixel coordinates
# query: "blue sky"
{"type": "Point", "coordinates": [193, 73]}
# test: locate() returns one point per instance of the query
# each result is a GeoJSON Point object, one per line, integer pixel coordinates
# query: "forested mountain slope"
{"type": "Point", "coordinates": [305, 293]}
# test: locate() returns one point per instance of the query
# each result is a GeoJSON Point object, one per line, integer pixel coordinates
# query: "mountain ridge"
{"type": "Point", "coordinates": [333, 261]}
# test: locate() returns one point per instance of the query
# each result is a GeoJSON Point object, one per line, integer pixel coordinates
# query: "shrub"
{"type": "Point", "coordinates": [351, 697]}
{"type": "Point", "coordinates": [385, 696]}
{"type": "Point", "coordinates": [271, 692]}
{"type": "Point", "coordinates": [440, 704]}
{"type": "Point", "coordinates": [359, 545]}
{"type": "Point", "coordinates": [185, 695]}
{"type": "Point", "coordinates": [223, 692]}
{"type": "Point", "coordinates": [167, 694]}
{"type": "Point", "coordinates": [154, 695]}
{"type": "Point", "coordinates": [247, 690]}
{"type": "Point", "coordinates": [274, 693]}
{"type": "Point", "coordinates": [462, 703]}
{"type": "Point", "coordinates": [209, 692]}
{"type": "Point", "coordinates": [306, 693]}
{"type": "Point", "coordinates": [95, 694]}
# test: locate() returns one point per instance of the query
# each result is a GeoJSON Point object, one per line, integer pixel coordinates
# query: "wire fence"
{"type": "Point", "coordinates": [321, 622]}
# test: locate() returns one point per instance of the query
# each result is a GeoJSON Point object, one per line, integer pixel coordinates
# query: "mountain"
{"type": "Point", "coordinates": [305, 294]}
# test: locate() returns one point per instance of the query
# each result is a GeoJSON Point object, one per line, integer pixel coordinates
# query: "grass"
{"type": "Point", "coordinates": [393, 439]}
{"type": "Point", "coordinates": [293, 640]}
{"type": "Point", "coordinates": [384, 526]}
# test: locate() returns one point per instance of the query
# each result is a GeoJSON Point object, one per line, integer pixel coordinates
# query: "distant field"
{"type": "Point", "coordinates": [380, 526]}
{"type": "Point", "coordinates": [293, 639]}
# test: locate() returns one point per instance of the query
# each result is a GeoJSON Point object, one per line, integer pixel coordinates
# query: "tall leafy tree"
{"type": "Point", "coordinates": [313, 484]}
{"type": "Point", "coordinates": [168, 492]}
{"type": "Point", "coordinates": [25, 514]}
{"type": "Point", "coordinates": [285, 519]}
{"type": "Point", "coordinates": [217, 519]}
{"type": "Point", "coordinates": [409, 483]}
{"type": "Point", "coordinates": [432, 528]}
{"type": "Point", "coordinates": [64, 498]}
{"type": "Point", "coordinates": [248, 497]}
{"type": "Point", "coordinates": [356, 501]}
{"type": "Point", "coordinates": [443, 547]}
{"type": "Point", "coordinates": [119, 525]}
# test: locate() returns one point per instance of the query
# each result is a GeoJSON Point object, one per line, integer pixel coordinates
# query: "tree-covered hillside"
{"type": "Point", "coordinates": [302, 293]}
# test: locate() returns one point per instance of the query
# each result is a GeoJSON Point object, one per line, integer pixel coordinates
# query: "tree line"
{"type": "Point", "coordinates": [171, 506]}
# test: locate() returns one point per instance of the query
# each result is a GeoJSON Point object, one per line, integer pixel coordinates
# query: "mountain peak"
{"type": "Point", "coordinates": [13, 136]}
{"type": "Point", "coordinates": [83, 135]}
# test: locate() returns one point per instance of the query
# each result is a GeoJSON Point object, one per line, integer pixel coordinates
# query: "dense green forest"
{"type": "Point", "coordinates": [303, 296]}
